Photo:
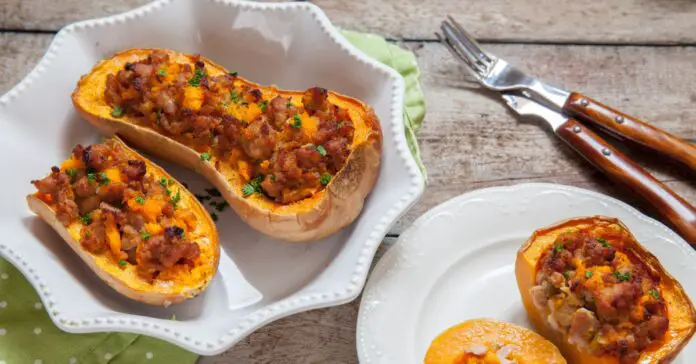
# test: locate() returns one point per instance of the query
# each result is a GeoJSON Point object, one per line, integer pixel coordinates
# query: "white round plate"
{"type": "Point", "coordinates": [457, 262]}
{"type": "Point", "coordinates": [292, 45]}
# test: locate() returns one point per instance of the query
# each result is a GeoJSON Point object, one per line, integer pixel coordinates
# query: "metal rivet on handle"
{"type": "Point", "coordinates": [576, 129]}
{"type": "Point", "coordinates": [606, 152]}
{"type": "Point", "coordinates": [584, 102]}
{"type": "Point", "coordinates": [619, 119]}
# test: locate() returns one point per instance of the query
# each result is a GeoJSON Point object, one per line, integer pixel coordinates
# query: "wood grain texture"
{"type": "Point", "coordinates": [47, 15]}
{"type": "Point", "coordinates": [617, 167]}
{"type": "Point", "coordinates": [469, 141]}
{"type": "Point", "coordinates": [599, 21]}
{"type": "Point", "coordinates": [631, 128]}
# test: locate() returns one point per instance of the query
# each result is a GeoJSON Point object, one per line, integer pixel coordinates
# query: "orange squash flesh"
{"type": "Point", "coordinates": [480, 341]}
{"type": "Point", "coordinates": [680, 310]}
{"type": "Point", "coordinates": [172, 285]}
{"type": "Point", "coordinates": [319, 215]}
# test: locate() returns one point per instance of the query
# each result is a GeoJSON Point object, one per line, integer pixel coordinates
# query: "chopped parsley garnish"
{"type": "Point", "coordinates": [214, 216]}
{"type": "Point", "coordinates": [297, 121]}
{"type": "Point", "coordinates": [122, 263]}
{"type": "Point", "coordinates": [603, 242]}
{"type": "Point", "coordinates": [140, 200]}
{"type": "Point", "coordinates": [557, 248]}
{"type": "Point", "coordinates": [263, 105]}
{"type": "Point", "coordinates": [86, 219]}
{"type": "Point", "coordinates": [171, 182]}
{"type": "Point", "coordinates": [202, 197]}
{"type": "Point", "coordinates": [566, 274]}
{"type": "Point", "coordinates": [205, 156]}
{"type": "Point", "coordinates": [176, 198]}
{"type": "Point", "coordinates": [221, 206]}
{"type": "Point", "coordinates": [654, 293]}
{"type": "Point", "coordinates": [162, 72]}
{"type": "Point", "coordinates": [163, 181]}
{"type": "Point", "coordinates": [144, 235]}
{"type": "Point", "coordinates": [234, 96]}
{"type": "Point", "coordinates": [273, 178]}
{"type": "Point", "coordinates": [117, 111]}
{"type": "Point", "coordinates": [622, 277]}
{"type": "Point", "coordinates": [158, 114]}
{"type": "Point", "coordinates": [244, 103]}
{"type": "Point", "coordinates": [248, 190]}
{"type": "Point", "coordinates": [234, 74]}
{"type": "Point", "coordinates": [91, 177]}
{"type": "Point", "coordinates": [321, 150]}
{"type": "Point", "coordinates": [588, 274]}
{"type": "Point", "coordinates": [198, 75]}
{"type": "Point", "coordinates": [325, 179]}
{"type": "Point", "coordinates": [340, 125]}
{"type": "Point", "coordinates": [71, 172]}
{"type": "Point", "coordinates": [104, 179]}
{"type": "Point", "coordinates": [289, 104]}
{"type": "Point", "coordinates": [253, 186]}
{"type": "Point", "coordinates": [213, 192]}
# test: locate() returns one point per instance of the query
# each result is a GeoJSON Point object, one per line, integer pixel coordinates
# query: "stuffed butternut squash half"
{"type": "Point", "coordinates": [293, 165]}
{"type": "Point", "coordinates": [136, 227]}
{"type": "Point", "coordinates": [488, 341]}
{"type": "Point", "coordinates": [600, 296]}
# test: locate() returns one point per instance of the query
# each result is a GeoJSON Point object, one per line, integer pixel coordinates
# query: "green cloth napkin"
{"type": "Point", "coordinates": [27, 335]}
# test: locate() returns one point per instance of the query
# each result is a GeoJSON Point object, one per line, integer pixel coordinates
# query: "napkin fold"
{"type": "Point", "coordinates": [27, 334]}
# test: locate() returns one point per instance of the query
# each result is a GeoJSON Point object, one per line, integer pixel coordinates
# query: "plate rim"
{"type": "Point", "coordinates": [382, 269]}
{"type": "Point", "coordinates": [121, 322]}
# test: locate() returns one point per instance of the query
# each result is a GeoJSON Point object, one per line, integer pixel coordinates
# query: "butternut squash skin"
{"type": "Point", "coordinates": [681, 313]}
{"type": "Point", "coordinates": [452, 346]}
{"type": "Point", "coordinates": [181, 284]}
{"type": "Point", "coordinates": [310, 219]}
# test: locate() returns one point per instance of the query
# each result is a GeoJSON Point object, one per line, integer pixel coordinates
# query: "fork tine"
{"type": "Point", "coordinates": [455, 52]}
{"type": "Point", "coordinates": [452, 41]}
{"type": "Point", "coordinates": [469, 41]}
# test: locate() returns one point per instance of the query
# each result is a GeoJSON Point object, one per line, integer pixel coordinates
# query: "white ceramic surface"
{"type": "Point", "coordinates": [456, 262]}
{"type": "Point", "coordinates": [260, 280]}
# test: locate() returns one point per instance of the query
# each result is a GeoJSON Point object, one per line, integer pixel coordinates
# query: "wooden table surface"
{"type": "Point", "coordinates": [637, 55]}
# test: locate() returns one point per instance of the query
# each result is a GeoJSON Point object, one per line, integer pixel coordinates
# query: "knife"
{"type": "Point", "coordinates": [677, 211]}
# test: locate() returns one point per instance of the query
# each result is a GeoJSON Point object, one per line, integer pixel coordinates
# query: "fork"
{"type": "Point", "coordinates": [498, 75]}
{"type": "Point", "coordinates": [527, 95]}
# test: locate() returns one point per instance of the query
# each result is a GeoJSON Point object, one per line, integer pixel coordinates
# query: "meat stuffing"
{"type": "Point", "coordinates": [236, 122]}
{"type": "Point", "coordinates": [601, 297]}
{"type": "Point", "coordinates": [120, 206]}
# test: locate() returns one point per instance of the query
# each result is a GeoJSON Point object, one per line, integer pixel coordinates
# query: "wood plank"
{"type": "Point", "coordinates": [469, 140]}
{"type": "Point", "coordinates": [622, 21]}
{"type": "Point", "coordinates": [50, 15]}
{"type": "Point", "coordinates": [618, 21]}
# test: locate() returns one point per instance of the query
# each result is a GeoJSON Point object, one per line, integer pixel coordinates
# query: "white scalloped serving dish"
{"type": "Point", "coordinates": [260, 280]}
{"type": "Point", "coordinates": [457, 261]}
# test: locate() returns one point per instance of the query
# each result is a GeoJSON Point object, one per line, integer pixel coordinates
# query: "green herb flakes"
{"type": "Point", "coordinates": [198, 75]}
{"type": "Point", "coordinates": [263, 105]}
{"type": "Point", "coordinates": [588, 274]}
{"type": "Point", "coordinates": [144, 235]}
{"type": "Point", "coordinates": [117, 112]}
{"type": "Point", "coordinates": [603, 242]}
{"type": "Point", "coordinates": [205, 156]}
{"type": "Point", "coordinates": [654, 293]}
{"type": "Point", "coordinates": [86, 219]}
{"type": "Point", "coordinates": [162, 72]}
{"type": "Point", "coordinates": [325, 179]}
{"type": "Point", "coordinates": [122, 263]}
{"type": "Point", "coordinates": [622, 277]}
{"type": "Point", "coordinates": [140, 200]}
{"type": "Point", "coordinates": [321, 150]}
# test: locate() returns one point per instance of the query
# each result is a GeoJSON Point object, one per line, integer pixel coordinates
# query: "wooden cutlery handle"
{"type": "Point", "coordinates": [631, 128]}
{"type": "Point", "coordinates": [677, 211]}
